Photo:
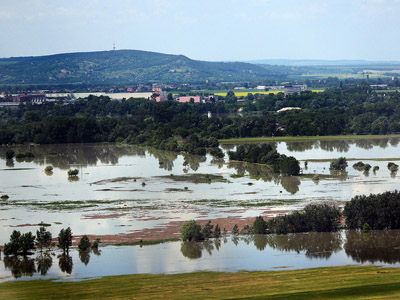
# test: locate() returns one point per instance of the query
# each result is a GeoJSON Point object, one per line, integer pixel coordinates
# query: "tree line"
{"type": "Point", "coordinates": [169, 125]}
{"type": "Point", "coordinates": [373, 212]}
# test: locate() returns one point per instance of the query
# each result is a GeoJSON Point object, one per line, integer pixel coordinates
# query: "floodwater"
{"type": "Point", "coordinates": [227, 254]}
{"type": "Point", "coordinates": [123, 189]}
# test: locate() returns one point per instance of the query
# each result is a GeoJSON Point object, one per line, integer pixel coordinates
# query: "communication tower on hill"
{"type": "Point", "coordinates": [114, 46]}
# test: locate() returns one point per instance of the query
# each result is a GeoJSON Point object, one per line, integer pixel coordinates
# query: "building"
{"type": "Point", "coordinates": [295, 89]}
{"type": "Point", "coordinates": [195, 99]}
{"type": "Point", "coordinates": [29, 98]}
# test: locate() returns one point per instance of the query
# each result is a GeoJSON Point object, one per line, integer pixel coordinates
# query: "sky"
{"type": "Point", "coordinates": [214, 30]}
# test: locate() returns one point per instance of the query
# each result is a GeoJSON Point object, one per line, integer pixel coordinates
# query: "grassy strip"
{"type": "Point", "coordinates": [304, 138]}
{"type": "Point", "coordinates": [147, 243]}
{"type": "Point", "coordinates": [348, 282]}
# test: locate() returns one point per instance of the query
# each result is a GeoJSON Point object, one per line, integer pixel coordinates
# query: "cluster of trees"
{"type": "Point", "coordinates": [380, 211]}
{"type": "Point", "coordinates": [314, 218]}
{"type": "Point", "coordinates": [24, 243]}
{"type": "Point", "coordinates": [192, 231]}
{"type": "Point", "coordinates": [319, 218]}
{"type": "Point", "coordinates": [266, 154]}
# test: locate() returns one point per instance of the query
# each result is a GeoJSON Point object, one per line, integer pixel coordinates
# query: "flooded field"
{"type": "Point", "coordinates": [227, 254]}
{"type": "Point", "coordinates": [127, 190]}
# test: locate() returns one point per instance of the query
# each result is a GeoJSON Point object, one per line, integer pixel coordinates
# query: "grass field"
{"type": "Point", "coordinates": [350, 282]}
{"type": "Point", "coordinates": [304, 138]}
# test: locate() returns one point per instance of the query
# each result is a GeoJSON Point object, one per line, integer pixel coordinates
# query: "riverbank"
{"type": "Point", "coordinates": [304, 138]}
{"type": "Point", "coordinates": [348, 282]}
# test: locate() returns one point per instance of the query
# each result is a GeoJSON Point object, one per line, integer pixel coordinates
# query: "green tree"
{"type": "Point", "coordinates": [217, 231]}
{"type": "Point", "coordinates": [207, 230]}
{"type": "Point", "coordinates": [259, 226]}
{"type": "Point", "coordinates": [27, 242]}
{"type": "Point", "coordinates": [235, 229]}
{"type": "Point", "coordinates": [289, 165]}
{"type": "Point", "coordinates": [14, 245]}
{"type": "Point", "coordinates": [339, 164]}
{"type": "Point", "coordinates": [84, 243]}
{"type": "Point", "coordinates": [191, 231]}
{"type": "Point", "coordinates": [65, 239]}
{"type": "Point", "coordinates": [43, 238]}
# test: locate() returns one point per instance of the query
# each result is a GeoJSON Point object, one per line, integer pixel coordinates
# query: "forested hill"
{"type": "Point", "coordinates": [127, 66]}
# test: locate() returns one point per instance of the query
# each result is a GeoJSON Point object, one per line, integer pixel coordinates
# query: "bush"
{"type": "Point", "coordinates": [393, 167]}
{"type": "Point", "coordinates": [359, 165]}
{"type": "Point", "coordinates": [48, 169]}
{"type": "Point", "coordinates": [96, 243]}
{"type": "Point", "coordinates": [73, 172]}
{"type": "Point", "coordinates": [4, 197]}
{"type": "Point", "coordinates": [10, 154]}
{"type": "Point", "coordinates": [191, 231]}
{"type": "Point", "coordinates": [339, 164]}
{"type": "Point", "coordinates": [84, 243]}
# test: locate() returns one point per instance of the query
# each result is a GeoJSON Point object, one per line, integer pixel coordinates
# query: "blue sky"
{"type": "Point", "coordinates": [213, 30]}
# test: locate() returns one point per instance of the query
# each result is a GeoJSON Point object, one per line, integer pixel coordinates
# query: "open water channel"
{"type": "Point", "coordinates": [123, 189]}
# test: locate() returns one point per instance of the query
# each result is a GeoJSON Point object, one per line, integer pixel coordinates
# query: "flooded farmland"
{"type": "Point", "coordinates": [126, 190]}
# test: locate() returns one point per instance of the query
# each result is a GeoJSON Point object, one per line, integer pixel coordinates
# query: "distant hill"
{"type": "Point", "coordinates": [127, 66]}
{"type": "Point", "coordinates": [314, 62]}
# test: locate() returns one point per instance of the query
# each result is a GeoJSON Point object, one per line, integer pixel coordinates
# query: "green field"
{"type": "Point", "coordinates": [350, 282]}
{"type": "Point", "coordinates": [304, 138]}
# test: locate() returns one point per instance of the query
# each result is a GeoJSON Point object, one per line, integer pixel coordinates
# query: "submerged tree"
{"type": "Point", "coordinates": [43, 238]}
{"type": "Point", "coordinates": [65, 239]}
{"type": "Point", "coordinates": [191, 231]}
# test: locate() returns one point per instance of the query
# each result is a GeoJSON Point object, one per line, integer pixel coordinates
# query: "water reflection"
{"type": "Point", "coordinates": [20, 266]}
{"type": "Point", "coordinates": [234, 253]}
{"type": "Point", "coordinates": [374, 247]}
{"type": "Point", "coordinates": [84, 256]}
{"type": "Point", "coordinates": [44, 262]}
{"type": "Point", "coordinates": [65, 263]}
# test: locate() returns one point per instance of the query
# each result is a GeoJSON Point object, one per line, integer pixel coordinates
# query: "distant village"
{"type": "Point", "coordinates": [158, 93]}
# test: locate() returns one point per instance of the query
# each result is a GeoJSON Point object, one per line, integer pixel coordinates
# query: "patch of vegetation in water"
{"type": "Point", "coordinates": [169, 190]}
{"type": "Point", "coordinates": [236, 175]}
{"type": "Point", "coordinates": [196, 178]}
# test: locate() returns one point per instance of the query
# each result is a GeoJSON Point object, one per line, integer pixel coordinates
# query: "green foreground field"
{"type": "Point", "coordinates": [350, 282]}
{"type": "Point", "coordinates": [305, 138]}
